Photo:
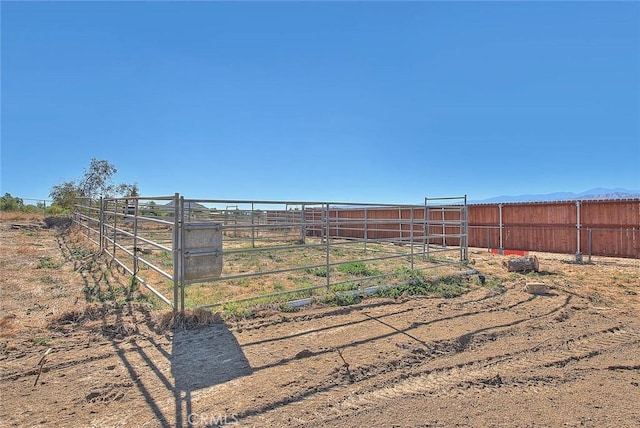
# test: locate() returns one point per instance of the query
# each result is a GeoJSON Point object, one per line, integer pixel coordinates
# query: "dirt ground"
{"type": "Point", "coordinates": [495, 357]}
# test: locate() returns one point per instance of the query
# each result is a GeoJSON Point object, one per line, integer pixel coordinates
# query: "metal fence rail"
{"type": "Point", "coordinates": [302, 248]}
{"type": "Point", "coordinates": [584, 227]}
{"type": "Point", "coordinates": [587, 241]}
{"type": "Point", "coordinates": [134, 234]}
{"type": "Point", "coordinates": [595, 227]}
{"type": "Point", "coordinates": [206, 252]}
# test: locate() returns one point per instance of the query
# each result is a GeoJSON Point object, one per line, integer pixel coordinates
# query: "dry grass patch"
{"type": "Point", "coordinates": [599, 280]}
{"type": "Point", "coordinates": [110, 319]}
{"type": "Point", "coordinates": [189, 319]}
{"type": "Point", "coordinates": [27, 249]}
{"type": "Point", "coordinates": [119, 320]}
{"type": "Point", "coordinates": [7, 325]}
{"type": "Point", "coordinates": [20, 216]}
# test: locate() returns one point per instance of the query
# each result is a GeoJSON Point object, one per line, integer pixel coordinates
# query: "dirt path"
{"type": "Point", "coordinates": [497, 356]}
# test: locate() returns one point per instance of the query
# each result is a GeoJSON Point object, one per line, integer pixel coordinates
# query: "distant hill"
{"type": "Point", "coordinates": [597, 193]}
{"type": "Point", "coordinates": [188, 205]}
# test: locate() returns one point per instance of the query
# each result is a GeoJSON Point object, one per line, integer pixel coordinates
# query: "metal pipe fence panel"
{"type": "Point", "coordinates": [136, 234]}
{"type": "Point", "coordinates": [275, 249]}
{"type": "Point", "coordinates": [192, 252]}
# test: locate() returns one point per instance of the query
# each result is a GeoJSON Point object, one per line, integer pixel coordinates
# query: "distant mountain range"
{"type": "Point", "coordinates": [597, 193]}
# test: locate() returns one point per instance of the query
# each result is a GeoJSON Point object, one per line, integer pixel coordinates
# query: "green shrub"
{"type": "Point", "coordinates": [55, 210]}
{"type": "Point", "coordinates": [344, 287]}
{"type": "Point", "coordinates": [358, 269]}
{"type": "Point", "coordinates": [415, 283]}
{"type": "Point", "coordinates": [343, 299]}
{"type": "Point", "coordinates": [319, 271]}
{"type": "Point", "coordinates": [235, 310]}
{"type": "Point", "coordinates": [391, 292]}
{"type": "Point", "coordinates": [11, 203]}
{"type": "Point", "coordinates": [46, 262]}
{"type": "Point", "coordinates": [286, 307]}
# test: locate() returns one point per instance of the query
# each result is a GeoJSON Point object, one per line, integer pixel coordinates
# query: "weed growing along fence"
{"type": "Point", "coordinates": [136, 236]}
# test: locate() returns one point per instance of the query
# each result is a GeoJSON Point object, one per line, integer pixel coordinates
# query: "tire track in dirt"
{"type": "Point", "coordinates": [9, 376]}
{"type": "Point", "coordinates": [387, 372]}
{"type": "Point", "coordinates": [275, 337]}
{"type": "Point", "coordinates": [398, 377]}
{"type": "Point", "coordinates": [248, 325]}
{"type": "Point", "coordinates": [446, 381]}
{"type": "Point", "coordinates": [93, 353]}
{"type": "Point", "coordinates": [431, 351]}
{"type": "Point", "coordinates": [347, 342]}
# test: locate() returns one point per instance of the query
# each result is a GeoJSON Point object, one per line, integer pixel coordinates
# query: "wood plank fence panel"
{"type": "Point", "coordinates": [607, 228]}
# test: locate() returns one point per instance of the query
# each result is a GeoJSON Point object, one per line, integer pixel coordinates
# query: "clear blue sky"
{"type": "Point", "coordinates": [367, 101]}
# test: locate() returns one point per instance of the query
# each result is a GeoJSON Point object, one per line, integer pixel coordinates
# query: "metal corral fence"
{"type": "Point", "coordinates": [587, 227]}
{"type": "Point", "coordinates": [209, 252]}
{"type": "Point", "coordinates": [41, 204]}
{"type": "Point", "coordinates": [138, 234]}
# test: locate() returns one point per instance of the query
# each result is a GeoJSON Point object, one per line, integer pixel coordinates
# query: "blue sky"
{"type": "Point", "coordinates": [363, 101]}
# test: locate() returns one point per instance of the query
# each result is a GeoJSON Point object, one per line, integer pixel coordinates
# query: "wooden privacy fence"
{"type": "Point", "coordinates": [402, 225]}
{"type": "Point", "coordinates": [589, 227]}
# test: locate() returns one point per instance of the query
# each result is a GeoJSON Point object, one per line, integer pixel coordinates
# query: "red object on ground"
{"type": "Point", "coordinates": [510, 252]}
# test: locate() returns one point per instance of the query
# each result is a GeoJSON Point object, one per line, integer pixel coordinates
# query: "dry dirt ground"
{"type": "Point", "coordinates": [497, 356]}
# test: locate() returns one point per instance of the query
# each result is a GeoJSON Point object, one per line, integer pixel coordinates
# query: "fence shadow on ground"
{"type": "Point", "coordinates": [206, 357]}
{"type": "Point", "coordinates": [202, 358]}
{"type": "Point", "coordinates": [199, 356]}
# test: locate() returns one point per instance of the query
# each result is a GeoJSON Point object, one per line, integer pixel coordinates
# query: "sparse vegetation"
{"type": "Point", "coordinates": [15, 205]}
{"type": "Point", "coordinates": [416, 283]}
{"type": "Point", "coordinates": [358, 269]}
{"type": "Point", "coordinates": [11, 203]}
{"type": "Point", "coordinates": [343, 299]}
{"type": "Point", "coordinates": [493, 284]}
{"type": "Point", "coordinates": [48, 279]}
{"type": "Point", "coordinates": [46, 262]}
{"type": "Point", "coordinates": [79, 252]}
{"type": "Point", "coordinates": [235, 311]}
{"type": "Point", "coordinates": [42, 341]}
{"type": "Point", "coordinates": [286, 307]}
{"type": "Point", "coordinates": [344, 287]}
{"type": "Point", "coordinates": [319, 271]}
{"type": "Point", "coordinates": [451, 286]}
{"type": "Point", "coordinates": [36, 308]}
{"type": "Point", "coordinates": [122, 343]}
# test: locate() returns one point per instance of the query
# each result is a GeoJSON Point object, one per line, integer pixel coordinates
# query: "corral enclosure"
{"type": "Point", "coordinates": [110, 360]}
{"type": "Point", "coordinates": [210, 252]}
